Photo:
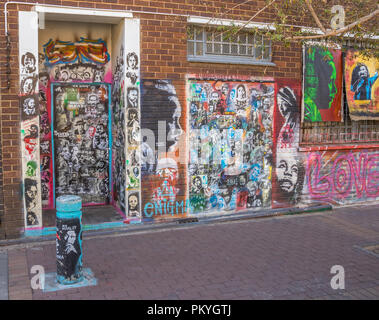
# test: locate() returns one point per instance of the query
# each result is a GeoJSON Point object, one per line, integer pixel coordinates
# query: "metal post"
{"type": "Point", "coordinates": [69, 239]}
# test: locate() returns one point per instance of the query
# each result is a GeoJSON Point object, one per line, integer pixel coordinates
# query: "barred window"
{"type": "Point", "coordinates": [205, 44]}
{"type": "Point", "coordinates": [346, 132]}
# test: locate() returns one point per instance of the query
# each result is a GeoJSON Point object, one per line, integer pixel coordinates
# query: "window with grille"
{"type": "Point", "coordinates": [205, 44]}
{"type": "Point", "coordinates": [346, 132]}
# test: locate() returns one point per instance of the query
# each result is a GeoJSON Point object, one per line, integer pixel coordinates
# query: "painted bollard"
{"type": "Point", "coordinates": [69, 239]}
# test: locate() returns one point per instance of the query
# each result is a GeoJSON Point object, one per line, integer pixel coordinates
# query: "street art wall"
{"type": "Point", "coordinates": [288, 178]}
{"type": "Point", "coordinates": [163, 194]}
{"type": "Point", "coordinates": [118, 131]}
{"type": "Point", "coordinates": [342, 177]}
{"type": "Point", "coordinates": [362, 86]}
{"type": "Point", "coordinates": [74, 60]}
{"type": "Point", "coordinates": [322, 84]}
{"type": "Point", "coordinates": [81, 141]}
{"type": "Point", "coordinates": [230, 145]}
{"type": "Point", "coordinates": [30, 124]}
{"type": "Point", "coordinates": [132, 120]}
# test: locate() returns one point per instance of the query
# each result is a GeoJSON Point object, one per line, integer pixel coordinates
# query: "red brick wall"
{"type": "Point", "coordinates": [163, 56]}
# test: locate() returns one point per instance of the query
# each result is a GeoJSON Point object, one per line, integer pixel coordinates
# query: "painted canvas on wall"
{"type": "Point", "coordinates": [362, 86]}
{"type": "Point", "coordinates": [322, 84]}
{"type": "Point", "coordinates": [230, 152]}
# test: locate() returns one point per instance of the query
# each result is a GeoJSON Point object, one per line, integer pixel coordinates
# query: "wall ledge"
{"type": "Point", "coordinates": [338, 147]}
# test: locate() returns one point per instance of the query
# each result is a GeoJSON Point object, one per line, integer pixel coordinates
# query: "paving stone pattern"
{"type": "Point", "coordinates": [275, 258]}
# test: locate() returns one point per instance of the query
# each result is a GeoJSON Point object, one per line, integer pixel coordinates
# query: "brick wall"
{"type": "Point", "coordinates": [2, 224]}
{"type": "Point", "coordinates": [10, 128]}
{"type": "Point", "coordinates": [163, 56]}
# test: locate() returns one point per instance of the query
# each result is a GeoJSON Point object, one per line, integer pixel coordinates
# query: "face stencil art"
{"type": "Point", "coordinates": [31, 168]}
{"type": "Point", "coordinates": [132, 61]}
{"type": "Point", "coordinates": [133, 205]}
{"type": "Point", "coordinates": [28, 62]}
{"type": "Point", "coordinates": [29, 106]}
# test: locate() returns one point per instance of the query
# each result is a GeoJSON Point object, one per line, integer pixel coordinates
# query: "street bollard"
{"type": "Point", "coordinates": [69, 239]}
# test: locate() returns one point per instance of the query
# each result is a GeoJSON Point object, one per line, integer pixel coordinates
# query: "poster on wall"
{"type": "Point", "coordinates": [362, 85]}
{"type": "Point", "coordinates": [322, 84]}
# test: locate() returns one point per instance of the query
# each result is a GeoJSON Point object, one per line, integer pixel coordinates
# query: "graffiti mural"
{"type": "Point", "coordinates": [81, 141]}
{"type": "Point", "coordinates": [322, 84]}
{"type": "Point", "coordinates": [118, 132]}
{"type": "Point", "coordinates": [230, 152]}
{"type": "Point", "coordinates": [45, 135]}
{"type": "Point", "coordinates": [84, 61]}
{"type": "Point", "coordinates": [30, 124]}
{"type": "Point", "coordinates": [84, 50]}
{"type": "Point", "coordinates": [362, 86]}
{"type": "Point", "coordinates": [132, 120]}
{"type": "Point", "coordinates": [160, 170]}
{"type": "Point", "coordinates": [343, 177]}
{"type": "Point", "coordinates": [289, 170]}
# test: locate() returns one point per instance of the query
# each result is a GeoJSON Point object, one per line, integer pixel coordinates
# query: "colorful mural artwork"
{"type": "Point", "coordinates": [81, 141]}
{"type": "Point", "coordinates": [230, 152]}
{"type": "Point", "coordinates": [362, 86]}
{"type": "Point", "coordinates": [159, 167]}
{"type": "Point", "coordinates": [89, 63]}
{"type": "Point", "coordinates": [289, 169]}
{"type": "Point", "coordinates": [322, 84]}
{"type": "Point", "coordinates": [343, 177]}
{"type": "Point", "coordinates": [30, 123]}
{"type": "Point", "coordinates": [83, 51]}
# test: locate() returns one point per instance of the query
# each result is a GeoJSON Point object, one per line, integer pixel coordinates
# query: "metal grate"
{"type": "Point", "coordinates": [348, 131]}
{"type": "Point", "coordinates": [204, 41]}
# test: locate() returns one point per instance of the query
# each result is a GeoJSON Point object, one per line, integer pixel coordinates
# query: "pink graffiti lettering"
{"type": "Point", "coordinates": [345, 176]}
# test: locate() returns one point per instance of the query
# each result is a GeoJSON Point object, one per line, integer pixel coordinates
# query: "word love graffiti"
{"type": "Point", "coordinates": [346, 174]}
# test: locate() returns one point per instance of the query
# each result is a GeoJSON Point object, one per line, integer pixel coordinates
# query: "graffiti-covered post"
{"type": "Point", "coordinates": [69, 239]}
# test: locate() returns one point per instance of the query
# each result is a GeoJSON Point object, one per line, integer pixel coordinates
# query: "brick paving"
{"type": "Point", "coordinates": [287, 257]}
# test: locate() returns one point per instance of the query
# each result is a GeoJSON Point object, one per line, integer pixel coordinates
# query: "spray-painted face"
{"type": "Point", "coordinates": [28, 86]}
{"type": "Point", "coordinates": [287, 172]}
{"type": "Point", "coordinates": [133, 202]}
{"type": "Point", "coordinates": [133, 96]}
{"type": "Point", "coordinates": [70, 237]}
{"type": "Point", "coordinates": [29, 62]}
{"type": "Point", "coordinates": [132, 62]}
{"type": "Point", "coordinates": [31, 169]}
{"type": "Point", "coordinates": [29, 106]}
{"type": "Point", "coordinates": [32, 192]}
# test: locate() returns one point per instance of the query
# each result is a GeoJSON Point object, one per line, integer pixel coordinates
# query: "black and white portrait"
{"type": "Point", "coordinates": [133, 205]}
{"type": "Point", "coordinates": [28, 63]}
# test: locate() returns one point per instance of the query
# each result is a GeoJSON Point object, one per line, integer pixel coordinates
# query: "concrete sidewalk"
{"type": "Point", "coordinates": [3, 276]}
{"type": "Point", "coordinates": [287, 257]}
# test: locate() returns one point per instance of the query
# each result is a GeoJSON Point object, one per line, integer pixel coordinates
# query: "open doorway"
{"type": "Point", "coordinates": [81, 141]}
{"type": "Point", "coordinates": [78, 130]}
